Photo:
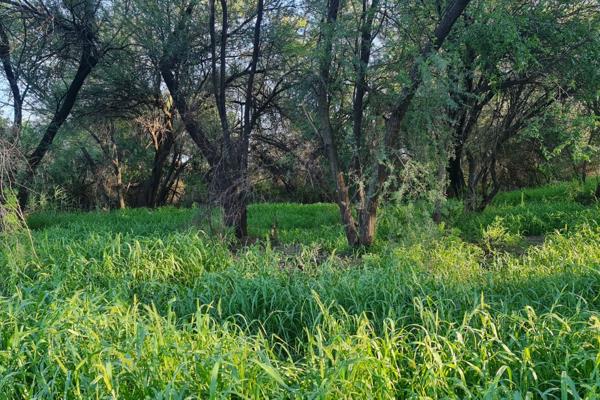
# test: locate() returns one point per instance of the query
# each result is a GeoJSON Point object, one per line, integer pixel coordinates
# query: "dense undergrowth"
{"type": "Point", "coordinates": [144, 304]}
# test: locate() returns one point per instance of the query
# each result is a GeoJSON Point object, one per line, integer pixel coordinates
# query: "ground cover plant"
{"type": "Point", "coordinates": [537, 211]}
{"type": "Point", "coordinates": [307, 199]}
{"type": "Point", "coordinates": [139, 304]}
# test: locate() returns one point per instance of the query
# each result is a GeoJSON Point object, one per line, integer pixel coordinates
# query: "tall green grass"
{"type": "Point", "coordinates": [535, 212]}
{"type": "Point", "coordinates": [145, 304]}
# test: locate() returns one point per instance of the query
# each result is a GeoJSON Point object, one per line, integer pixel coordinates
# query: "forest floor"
{"type": "Point", "coordinates": [157, 304]}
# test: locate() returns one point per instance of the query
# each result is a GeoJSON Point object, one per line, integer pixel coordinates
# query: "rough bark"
{"type": "Point", "coordinates": [158, 164]}
{"type": "Point", "coordinates": [171, 180]}
{"type": "Point", "coordinates": [164, 142]}
{"type": "Point", "coordinates": [116, 166]}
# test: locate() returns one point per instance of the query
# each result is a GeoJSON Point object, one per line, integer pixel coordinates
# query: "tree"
{"type": "Point", "coordinates": [506, 56]}
{"type": "Point", "coordinates": [361, 231]}
{"type": "Point", "coordinates": [63, 30]}
{"type": "Point", "coordinates": [221, 86]}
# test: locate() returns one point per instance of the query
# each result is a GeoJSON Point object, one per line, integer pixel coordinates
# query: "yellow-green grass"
{"type": "Point", "coordinates": [145, 304]}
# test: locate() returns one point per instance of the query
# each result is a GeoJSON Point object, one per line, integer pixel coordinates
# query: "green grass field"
{"type": "Point", "coordinates": [145, 304]}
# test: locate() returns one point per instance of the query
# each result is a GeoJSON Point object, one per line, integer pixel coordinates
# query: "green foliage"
{"type": "Point", "coordinates": [11, 218]}
{"type": "Point", "coordinates": [143, 304]}
{"type": "Point", "coordinates": [553, 193]}
{"type": "Point", "coordinates": [531, 212]}
{"type": "Point", "coordinates": [497, 237]}
{"type": "Point", "coordinates": [311, 224]}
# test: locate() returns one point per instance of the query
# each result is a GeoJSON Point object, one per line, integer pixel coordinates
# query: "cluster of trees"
{"type": "Point", "coordinates": [145, 103]}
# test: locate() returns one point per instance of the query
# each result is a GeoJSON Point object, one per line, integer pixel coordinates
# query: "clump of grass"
{"type": "Point", "coordinates": [538, 218]}
{"type": "Point", "coordinates": [551, 193]}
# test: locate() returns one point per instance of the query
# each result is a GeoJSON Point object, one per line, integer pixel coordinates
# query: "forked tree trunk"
{"type": "Point", "coordinates": [171, 179]}
{"type": "Point", "coordinates": [326, 130]}
{"type": "Point", "coordinates": [7, 173]}
{"type": "Point", "coordinates": [230, 196]}
{"type": "Point", "coordinates": [363, 233]}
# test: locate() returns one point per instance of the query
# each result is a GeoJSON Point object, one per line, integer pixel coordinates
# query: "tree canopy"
{"type": "Point", "coordinates": [134, 103]}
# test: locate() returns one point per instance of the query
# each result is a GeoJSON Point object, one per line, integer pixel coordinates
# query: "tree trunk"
{"type": "Point", "coordinates": [96, 172]}
{"type": "Point", "coordinates": [160, 158]}
{"type": "Point", "coordinates": [358, 109]}
{"type": "Point", "coordinates": [473, 181]}
{"type": "Point", "coordinates": [8, 170]}
{"type": "Point", "coordinates": [326, 130]}
{"type": "Point", "coordinates": [456, 175]}
{"type": "Point", "coordinates": [583, 171]}
{"type": "Point", "coordinates": [171, 180]}
{"type": "Point", "coordinates": [116, 164]}
{"type": "Point", "coordinates": [168, 64]}
{"type": "Point", "coordinates": [363, 234]}
{"type": "Point", "coordinates": [87, 62]}
{"type": "Point", "coordinates": [367, 225]}
{"type": "Point", "coordinates": [230, 196]}
{"type": "Point", "coordinates": [11, 77]}
{"type": "Point", "coordinates": [437, 206]}
{"type": "Point", "coordinates": [479, 178]}
{"type": "Point", "coordinates": [119, 187]}
{"type": "Point", "coordinates": [235, 214]}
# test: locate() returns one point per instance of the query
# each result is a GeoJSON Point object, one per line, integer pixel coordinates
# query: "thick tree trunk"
{"type": "Point", "coordinates": [171, 180]}
{"type": "Point", "coordinates": [367, 225]}
{"type": "Point", "coordinates": [479, 180]}
{"type": "Point", "coordinates": [230, 196]}
{"type": "Point", "coordinates": [235, 215]}
{"type": "Point", "coordinates": [344, 204]}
